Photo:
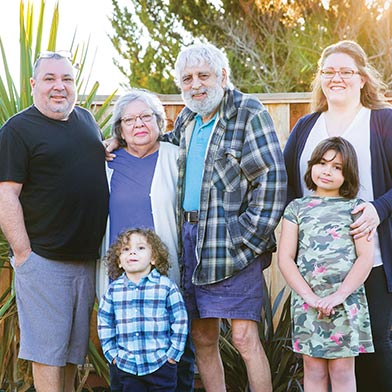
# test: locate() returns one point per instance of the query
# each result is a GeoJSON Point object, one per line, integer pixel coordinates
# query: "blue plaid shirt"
{"type": "Point", "coordinates": [243, 191]}
{"type": "Point", "coordinates": [142, 325]}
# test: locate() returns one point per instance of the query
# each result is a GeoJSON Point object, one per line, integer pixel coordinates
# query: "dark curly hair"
{"type": "Point", "coordinates": [159, 252]}
{"type": "Point", "coordinates": [350, 186]}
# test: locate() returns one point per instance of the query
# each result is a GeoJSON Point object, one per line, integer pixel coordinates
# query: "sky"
{"type": "Point", "coordinates": [88, 17]}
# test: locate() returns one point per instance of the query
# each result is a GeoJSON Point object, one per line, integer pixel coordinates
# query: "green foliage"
{"type": "Point", "coordinates": [149, 63]}
{"type": "Point", "coordinates": [15, 374]}
{"type": "Point", "coordinates": [286, 366]}
{"type": "Point", "coordinates": [13, 99]}
{"type": "Point", "coordinates": [273, 46]}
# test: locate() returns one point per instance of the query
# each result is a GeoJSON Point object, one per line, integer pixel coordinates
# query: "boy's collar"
{"type": "Point", "coordinates": [153, 276]}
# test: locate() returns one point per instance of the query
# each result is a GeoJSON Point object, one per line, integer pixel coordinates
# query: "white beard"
{"type": "Point", "coordinates": [209, 104]}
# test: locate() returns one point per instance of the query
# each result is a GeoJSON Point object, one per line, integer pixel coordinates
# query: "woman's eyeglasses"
{"type": "Point", "coordinates": [344, 73]}
{"type": "Point", "coordinates": [144, 117]}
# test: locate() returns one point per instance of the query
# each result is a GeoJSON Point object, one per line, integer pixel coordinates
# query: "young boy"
{"type": "Point", "coordinates": [142, 320]}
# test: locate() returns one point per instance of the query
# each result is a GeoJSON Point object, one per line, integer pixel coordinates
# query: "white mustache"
{"type": "Point", "coordinates": [201, 90]}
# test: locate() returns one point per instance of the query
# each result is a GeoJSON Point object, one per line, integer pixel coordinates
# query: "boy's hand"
{"type": "Point", "coordinates": [172, 361]}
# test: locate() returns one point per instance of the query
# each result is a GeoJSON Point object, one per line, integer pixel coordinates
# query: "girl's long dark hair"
{"type": "Point", "coordinates": [350, 186]}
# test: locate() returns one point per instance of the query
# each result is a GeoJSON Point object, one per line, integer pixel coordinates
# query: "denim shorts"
{"type": "Point", "coordinates": [238, 297]}
{"type": "Point", "coordinates": [54, 300]}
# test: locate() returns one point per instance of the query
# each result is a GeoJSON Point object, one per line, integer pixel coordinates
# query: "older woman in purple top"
{"type": "Point", "coordinates": [142, 180]}
{"type": "Point", "coordinates": [143, 176]}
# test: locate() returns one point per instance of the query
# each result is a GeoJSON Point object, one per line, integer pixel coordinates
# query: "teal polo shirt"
{"type": "Point", "coordinates": [195, 162]}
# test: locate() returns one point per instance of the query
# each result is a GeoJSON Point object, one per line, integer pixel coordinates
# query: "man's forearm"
{"type": "Point", "coordinates": [12, 221]}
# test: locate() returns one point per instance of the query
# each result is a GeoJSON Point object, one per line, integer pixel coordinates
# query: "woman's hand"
{"type": "Point", "coordinates": [366, 224]}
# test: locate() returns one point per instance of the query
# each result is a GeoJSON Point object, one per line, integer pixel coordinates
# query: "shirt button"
{"type": "Point", "coordinates": [137, 333]}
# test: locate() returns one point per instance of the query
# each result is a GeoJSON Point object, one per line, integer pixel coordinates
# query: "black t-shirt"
{"type": "Point", "coordinates": [61, 165]}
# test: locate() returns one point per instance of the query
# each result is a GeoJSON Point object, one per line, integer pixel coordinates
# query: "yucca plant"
{"type": "Point", "coordinates": [14, 99]}
{"type": "Point", "coordinates": [286, 366]}
{"type": "Point", "coordinates": [15, 374]}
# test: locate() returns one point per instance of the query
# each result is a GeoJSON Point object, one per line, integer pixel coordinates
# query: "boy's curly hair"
{"type": "Point", "coordinates": [159, 252]}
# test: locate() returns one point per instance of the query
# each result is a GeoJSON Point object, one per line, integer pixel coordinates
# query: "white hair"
{"type": "Point", "coordinates": [199, 54]}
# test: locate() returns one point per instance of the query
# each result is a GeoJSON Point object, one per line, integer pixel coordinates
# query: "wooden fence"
{"type": "Point", "coordinates": [285, 110]}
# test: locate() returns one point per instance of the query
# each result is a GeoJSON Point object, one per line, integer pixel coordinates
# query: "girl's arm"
{"type": "Point", "coordinates": [287, 250]}
{"type": "Point", "coordinates": [357, 275]}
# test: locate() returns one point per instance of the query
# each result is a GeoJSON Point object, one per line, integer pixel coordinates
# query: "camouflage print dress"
{"type": "Point", "coordinates": [326, 254]}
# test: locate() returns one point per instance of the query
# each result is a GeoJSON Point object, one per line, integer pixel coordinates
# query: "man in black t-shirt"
{"type": "Point", "coordinates": [53, 211]}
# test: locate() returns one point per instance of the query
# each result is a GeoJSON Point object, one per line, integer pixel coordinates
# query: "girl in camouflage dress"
{"type": "Point", "coordinates": [326, 269]}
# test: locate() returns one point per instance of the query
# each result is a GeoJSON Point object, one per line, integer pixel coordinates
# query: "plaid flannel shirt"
{"type": "Point", "coordinates": [142, 325]}
{"type": "Point", "coordinates": [243, 190]}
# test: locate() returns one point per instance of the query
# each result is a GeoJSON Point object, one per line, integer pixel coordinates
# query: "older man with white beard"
{"type": "Point", "coordinates": [231, 194]}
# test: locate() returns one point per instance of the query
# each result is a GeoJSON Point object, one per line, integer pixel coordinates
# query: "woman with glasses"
{"type": "Point", "coordinates": [143, 176]}
{"type": "Point", "coordinates": [142, 181]}
{"type": "Point", "coordinates": [348, 100]}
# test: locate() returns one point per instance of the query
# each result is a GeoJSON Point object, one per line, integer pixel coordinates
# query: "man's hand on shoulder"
{"type": "Point", "coordinates": [110, 145]}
